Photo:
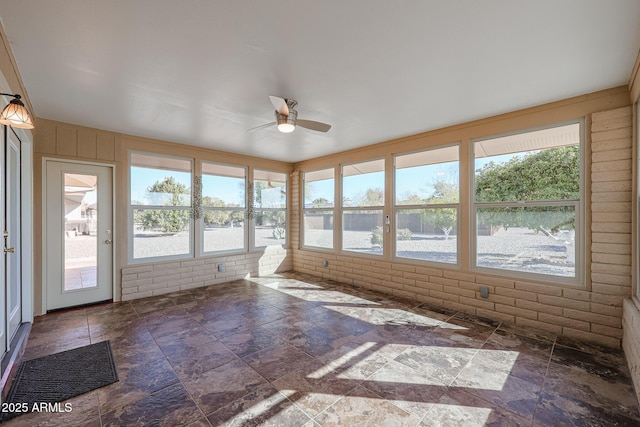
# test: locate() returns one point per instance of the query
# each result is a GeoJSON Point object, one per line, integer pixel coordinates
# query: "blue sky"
{"type": "Point", "coordinates": [229, 189]}
{"type": "Point", "coordinates": [415, 180]}
{"type": "Point", "coordinates": [142, 178]}
{"type": "Point", "coordinates": [409, 180]}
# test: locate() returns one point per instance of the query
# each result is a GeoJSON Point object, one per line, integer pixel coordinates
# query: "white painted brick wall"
{"type": "Point", "coordinates": [141, 281]}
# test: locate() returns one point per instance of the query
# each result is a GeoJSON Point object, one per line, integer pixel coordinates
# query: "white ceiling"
{"type": "Point", "coordinates": [201, 72]}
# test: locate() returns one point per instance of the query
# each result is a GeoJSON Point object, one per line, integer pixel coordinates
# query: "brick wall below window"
{"type": "Point", "coordinates": [145, 280]}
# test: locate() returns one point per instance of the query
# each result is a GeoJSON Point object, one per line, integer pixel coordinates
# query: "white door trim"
{"type": "Point", "coordinates": [26, 227]}
{"type": "Point", "coordinates": [116, 295]}
{"type": "Point", "coordinates": [26, 218]}
{"type": "Point", "coordinates": [13, 212]}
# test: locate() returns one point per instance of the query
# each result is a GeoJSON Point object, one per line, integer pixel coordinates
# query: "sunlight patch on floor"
{"type": "Point", "coordinates": [371, 315]}
{"type": "Point", "coordinates": [446, 325]}
{"type": "Point", "coordinates": [488, 370]}
{"type": "Point", "coordinates": [457, 415]}
{"type": "Point", "coordinates": [336, 364]}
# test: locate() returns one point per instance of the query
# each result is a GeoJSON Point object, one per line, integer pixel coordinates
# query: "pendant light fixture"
{"type": "Point", "coordinates": [15, 114]}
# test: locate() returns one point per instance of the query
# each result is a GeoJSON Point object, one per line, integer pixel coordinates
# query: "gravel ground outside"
{"type": "Point", "coordinates": [80, 251]}
{"type": "Point", "coordinates": [215, 239]}
{"type": "Point", "coordinates": [518, 249]}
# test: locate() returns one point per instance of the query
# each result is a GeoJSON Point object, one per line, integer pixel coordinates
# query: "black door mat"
{"type": "Point", "coordinates": [58, 377]}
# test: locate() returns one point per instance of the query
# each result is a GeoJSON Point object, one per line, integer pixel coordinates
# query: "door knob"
{"type": "Point", "coordinates": [9, 250]}
{"type": "Point", "coordinates": [108, 242]}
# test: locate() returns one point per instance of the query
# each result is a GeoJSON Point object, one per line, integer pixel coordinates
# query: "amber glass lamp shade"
{"type": "Point", "coordinates": [16, 115]}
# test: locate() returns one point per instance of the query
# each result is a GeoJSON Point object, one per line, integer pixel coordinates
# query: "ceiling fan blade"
{"type": "Point", "coordinates": [280, 104]}
{"type": "Point", "coordinates": [266, 125]}
{"type": "Point", "coordinates": [310, 124]}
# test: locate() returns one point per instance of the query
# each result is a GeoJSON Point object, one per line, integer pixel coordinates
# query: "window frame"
{"type": "Point", "coordinates": [131, 208]}
{"type": "Point", "coordinates": [580, 227]}
{"type": "Point", "coordinates": [252, 210]}
{"type": "Point", "coordinates": [245, 209]}
{"type": "Point", "coordinates": [457, 206]}
{"type": "Point", "coordinates": [305, 210]}
{"type": "Point", "coordinates": [382, 208]}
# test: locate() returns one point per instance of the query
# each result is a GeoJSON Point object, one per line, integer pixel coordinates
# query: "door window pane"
{"type": "Point", "coordinates": [80, 226]}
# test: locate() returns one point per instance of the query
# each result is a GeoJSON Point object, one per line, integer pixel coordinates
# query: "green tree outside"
{"type": "Point", "coordinates": [443, 218]}
{"type": "Point", "coordinates": [552, 174]}
{"type": "Point", "coordinates": [167, 192]}
{"type": "Point", "coordinates": [321, 202]}
{"type": "Point", "coordinates": [223, 216]}
{"type": "Point", "coordinates": [371, 197]}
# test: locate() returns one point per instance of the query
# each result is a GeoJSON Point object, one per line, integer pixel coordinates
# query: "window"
{"type": "Point", "coordinates": [319, 198]}
{"type": "Point", "coordinates": [363, 191]}
{"type": "Point", "coordinates": [270, 208]}
{"type": "Point", "coordinates": [160, 207]}
{"type": "Point", "coordinates": [427, 199]}
{"type": "Point", "coordinates": [527, 201]}
{"type": "Point", "coordinates": [223, 208]}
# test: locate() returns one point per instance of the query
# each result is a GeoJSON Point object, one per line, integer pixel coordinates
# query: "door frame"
{"type": "Point", "coordinates": [26, 226]}
{"type": "Point", "coordinates": [27, 263]}
{"type": "Point", "coordinates": [13, 212]}
{"type": "Point", "coordinates": [114, 285]}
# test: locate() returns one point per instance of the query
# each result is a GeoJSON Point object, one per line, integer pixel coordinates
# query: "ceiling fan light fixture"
{"type": "Point", "coordinates": [286, 127]}
{"type": "Point", "coordinates": [15, 114]}
{"type": "Point", "coordinates": [287, 124]}
{"type": "Point", "coordinates": [287, 117]}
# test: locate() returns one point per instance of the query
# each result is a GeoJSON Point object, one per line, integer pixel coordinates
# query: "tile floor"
{"type": "Point", "coordinates": [290, 350]}
{"type": "Point", "coordinates": [80, 277]}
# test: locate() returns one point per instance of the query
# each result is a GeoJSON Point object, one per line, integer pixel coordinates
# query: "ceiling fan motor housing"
{"type": "Point", "coordinates": [287, 117]}
{"type": "Point", "coordinates": [290, 119]}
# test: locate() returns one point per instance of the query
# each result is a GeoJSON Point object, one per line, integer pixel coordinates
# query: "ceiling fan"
{"type": "Point", "coordinates": [287, 117]}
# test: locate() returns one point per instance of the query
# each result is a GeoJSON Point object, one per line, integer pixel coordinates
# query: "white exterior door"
{"type": "Point", "coordinates": [12, 236]}
{"type": "Point", "coordinates": [79, 234]}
